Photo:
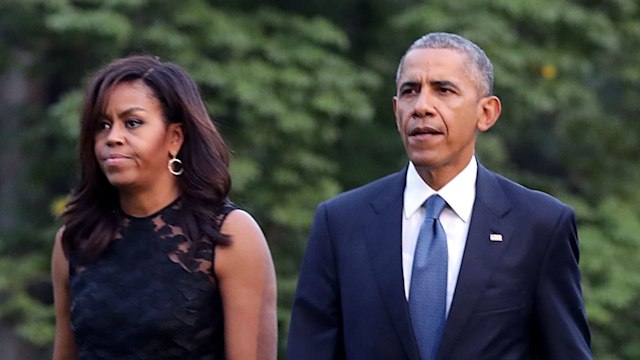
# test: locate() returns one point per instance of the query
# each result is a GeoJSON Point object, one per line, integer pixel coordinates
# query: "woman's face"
{"type": "Point", "coordinates": [133, 141]}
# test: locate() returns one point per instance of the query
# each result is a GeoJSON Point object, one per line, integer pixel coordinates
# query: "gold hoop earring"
{"type": "Point", "coordinates": [175, 166]}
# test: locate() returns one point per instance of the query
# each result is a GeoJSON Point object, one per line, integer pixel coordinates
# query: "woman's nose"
{"type": "Point", "coordinates": [115, 135]}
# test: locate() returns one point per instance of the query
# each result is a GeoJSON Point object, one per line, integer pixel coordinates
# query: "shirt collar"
{"type": "Point", "coordinates": [459, 193]}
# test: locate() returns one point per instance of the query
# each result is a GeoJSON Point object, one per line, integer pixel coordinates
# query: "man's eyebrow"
{"type": "Point", "coordinates": [444, 83]}
{"type": "Point", "coordinates": [409, 83]}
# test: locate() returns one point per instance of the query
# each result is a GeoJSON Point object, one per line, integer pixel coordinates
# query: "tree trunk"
{"type": "Point", "coordinates": [13, 98]}
{"type": "Point", "coordinates": [14, 348]}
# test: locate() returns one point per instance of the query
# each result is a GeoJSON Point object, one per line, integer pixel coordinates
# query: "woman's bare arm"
{"type": "Point", "coordinates": [248, 288]}
{"type": "Point", "coordinates": [64, 347]}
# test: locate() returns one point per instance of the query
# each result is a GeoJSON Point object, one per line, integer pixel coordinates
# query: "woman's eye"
{"type": "Point", "coordinates": [103, 125]}
{"type": "Point", "coordinates": [133, 123]}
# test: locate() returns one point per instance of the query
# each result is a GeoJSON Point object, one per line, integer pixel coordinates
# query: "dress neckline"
{"type": "Point", "coordinates": [146, 217]}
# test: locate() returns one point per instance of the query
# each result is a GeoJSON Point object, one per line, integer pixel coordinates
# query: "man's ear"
{"type": "Point", "coordinates": [394, 101]}
{"type": "Point", "coordinates": [176, 138]}
{"type": "Point", "coordinates": [489, 110]}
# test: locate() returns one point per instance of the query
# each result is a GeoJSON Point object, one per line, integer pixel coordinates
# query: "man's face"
{"type": "Point", "coordinates": [438, 110]}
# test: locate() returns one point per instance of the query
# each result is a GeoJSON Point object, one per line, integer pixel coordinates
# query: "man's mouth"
{"type": "Point", "coordinates": [424, 130]}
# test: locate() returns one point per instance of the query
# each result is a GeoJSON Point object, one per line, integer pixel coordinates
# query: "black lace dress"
{"type": "Point", "coordinates": [151, 295]}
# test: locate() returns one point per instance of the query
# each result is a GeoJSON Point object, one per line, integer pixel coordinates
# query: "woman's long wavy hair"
{"type": "Point", "coordinates": [91, 217]}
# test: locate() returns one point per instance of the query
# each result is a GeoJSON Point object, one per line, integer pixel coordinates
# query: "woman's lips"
{"type": "Point", "coordinates": [115, 159]}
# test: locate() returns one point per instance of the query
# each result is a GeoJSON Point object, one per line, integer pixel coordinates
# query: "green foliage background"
{"type": "Point", "coordinates": [302, 92]}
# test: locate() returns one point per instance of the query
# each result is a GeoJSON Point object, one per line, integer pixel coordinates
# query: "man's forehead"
{"type": "Point", "coordinates": [431, 58]}
{"type": "Point", "coordinates": [434, 65]}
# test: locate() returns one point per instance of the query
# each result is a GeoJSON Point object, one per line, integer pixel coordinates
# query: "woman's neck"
{"type": "Point", "coordinates": [141, 204]}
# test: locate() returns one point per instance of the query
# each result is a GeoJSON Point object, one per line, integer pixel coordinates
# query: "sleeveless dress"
{"type": "Point", "coordinates": [152, 294]}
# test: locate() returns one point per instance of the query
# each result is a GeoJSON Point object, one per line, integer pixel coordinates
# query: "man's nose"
{"type": "Point", "coordinates": [424, 105]}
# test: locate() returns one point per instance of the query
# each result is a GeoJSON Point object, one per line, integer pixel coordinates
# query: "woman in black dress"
{"type": "Point", "coordinates": [153, 260]}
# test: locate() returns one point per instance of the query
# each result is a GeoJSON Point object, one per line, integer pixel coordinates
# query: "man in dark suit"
{"type": "Point", "coordinates": [508, 256]}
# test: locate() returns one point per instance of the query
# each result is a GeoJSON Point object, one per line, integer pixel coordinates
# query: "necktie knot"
{"type": "Point", "coordinates": [434, 206]}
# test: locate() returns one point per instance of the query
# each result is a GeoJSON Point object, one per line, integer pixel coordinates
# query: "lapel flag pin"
{"type": "Point", "coordinates": [495, 237]}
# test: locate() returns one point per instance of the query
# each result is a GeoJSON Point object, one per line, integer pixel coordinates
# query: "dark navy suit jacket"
{"type": "Point", "coordinates": [519, 298]}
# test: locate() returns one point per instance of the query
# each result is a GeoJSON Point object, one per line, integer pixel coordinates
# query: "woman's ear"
{"type": "Point", "coordinates": [489, 110]}
{"type": "Point", "coordinates": [175, 138]}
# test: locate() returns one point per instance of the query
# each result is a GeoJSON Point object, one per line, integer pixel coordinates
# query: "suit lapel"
{"type": "Point", "coordinates": [384, 245]}
{"type": "Point", "coordinates": [480, 255]}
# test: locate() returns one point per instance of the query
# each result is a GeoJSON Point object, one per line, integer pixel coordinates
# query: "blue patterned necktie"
{"type": "Point", "coordinates": [428, 290]}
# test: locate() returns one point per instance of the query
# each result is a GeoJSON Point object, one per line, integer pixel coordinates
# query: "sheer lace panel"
{"type": "Point", "coordinates": [78, 269]}
{"type": "Point", "coordinates": [191, 256]}
{"type": "Point", "coordinates": [152, 294]}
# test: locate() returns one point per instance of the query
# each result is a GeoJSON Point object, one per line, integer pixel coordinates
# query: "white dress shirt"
{"type": "Point", "coordinates": [460, 194]}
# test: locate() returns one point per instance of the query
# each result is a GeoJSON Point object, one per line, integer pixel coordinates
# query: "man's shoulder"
{"type": "Point", "coordinates": [519, 193]}
{"type": "Point", "coordinates": [389, 185]}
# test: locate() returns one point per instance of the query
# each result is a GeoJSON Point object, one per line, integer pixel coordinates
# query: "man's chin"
{"type": "Point", "coordinates": [424, 159]}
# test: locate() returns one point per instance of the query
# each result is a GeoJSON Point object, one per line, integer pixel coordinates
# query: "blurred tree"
{"type": "Point", "coordinates": [280, 86]}
{"type": "Point", "coordinates": [305, 120]}
{"type": "Point", "coordinates": [568, 74]}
